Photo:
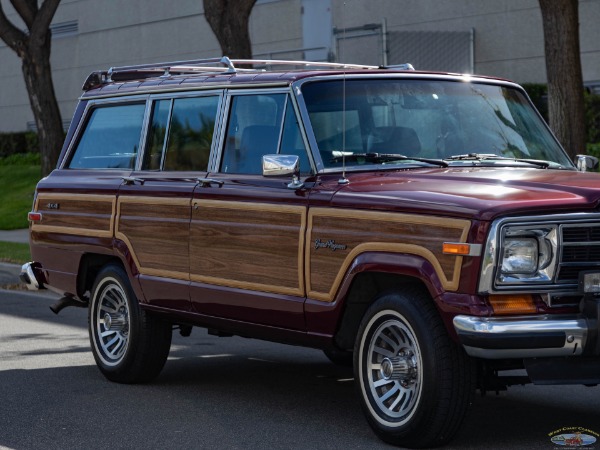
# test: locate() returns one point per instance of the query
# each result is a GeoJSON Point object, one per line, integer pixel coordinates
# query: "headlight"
{"type": "Point", "coordinates": [527, 254]}
{"type": "Point", "coordinates": [520, 255]}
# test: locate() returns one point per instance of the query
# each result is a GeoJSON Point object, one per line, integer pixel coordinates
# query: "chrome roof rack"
{"type": "Point", "coordinates": [213, 65]}
{"type": "Point", "coordinates": [405, 66]}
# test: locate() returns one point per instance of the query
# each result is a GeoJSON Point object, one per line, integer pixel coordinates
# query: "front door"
{"type": "Point", "coordinates": [247, 231]}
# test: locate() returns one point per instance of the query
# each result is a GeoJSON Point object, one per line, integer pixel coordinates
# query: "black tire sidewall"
{"type": "Point", "coordinates": [407, 308]}
{"type": "Point", "coordinates": [127, 360]}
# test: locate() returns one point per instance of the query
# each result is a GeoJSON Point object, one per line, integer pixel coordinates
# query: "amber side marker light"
{"type": "Point", "coordinates": [459, 248]}
{"type": "Point", "coordinates": [512, 304]}
{"type": "Point", "coordinates": [34, 217]}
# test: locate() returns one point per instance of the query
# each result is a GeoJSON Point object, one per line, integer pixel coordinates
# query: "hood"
{"type": "Point", "coordinates": [476, 193]}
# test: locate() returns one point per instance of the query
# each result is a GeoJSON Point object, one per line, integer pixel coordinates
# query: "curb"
{"type": "Point", "coordinates": [9, 274]}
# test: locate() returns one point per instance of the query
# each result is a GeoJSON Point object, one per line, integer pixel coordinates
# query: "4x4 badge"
{"type": "Point", "coordinates": [329, 244]}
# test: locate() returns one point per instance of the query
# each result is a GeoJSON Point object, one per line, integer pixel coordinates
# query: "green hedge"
{"type": "Point", "coordinates": [592, 117]}
{"type": "Point", "coordinates": [21, 159]}
{"type": "Point", "coordinates": [539, 96]}
{"type": "Point", "coordinates": [593, 150]}
{"type": "Point", "coordinates": [18, 143]}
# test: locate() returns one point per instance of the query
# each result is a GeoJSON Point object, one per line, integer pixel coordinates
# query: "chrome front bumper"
{"type": "Point", "coordinates": [31, 276]}
{"type": "Point", "coordinates": [522, 337]}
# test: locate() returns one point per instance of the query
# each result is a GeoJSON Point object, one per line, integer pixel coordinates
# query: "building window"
{"type": "Point", "coordinates": [64, 29]}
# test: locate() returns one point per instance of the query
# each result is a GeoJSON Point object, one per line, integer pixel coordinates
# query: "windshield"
{"type": "Point", "coordinates": [461, 122]}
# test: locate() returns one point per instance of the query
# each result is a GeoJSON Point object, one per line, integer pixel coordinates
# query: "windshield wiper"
{"type": "Point", "coordinates": [492, 157]}
{"type": "Point", "coordinates": [387, 157]}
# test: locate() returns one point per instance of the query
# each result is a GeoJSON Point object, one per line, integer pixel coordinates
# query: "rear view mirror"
{"type": "Point", "coordinates": [586, 163]}
{"type": "Point", "coordinates": [281, 165]}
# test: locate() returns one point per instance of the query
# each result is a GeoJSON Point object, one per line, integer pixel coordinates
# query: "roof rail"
{"type": "Point", "coordinates": [405, 66]}
{"type": "Point", "coordinates": [211, 65]}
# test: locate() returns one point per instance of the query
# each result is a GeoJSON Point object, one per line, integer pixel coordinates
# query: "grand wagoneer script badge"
{"type": "Point", "coordinates": [330, 244]}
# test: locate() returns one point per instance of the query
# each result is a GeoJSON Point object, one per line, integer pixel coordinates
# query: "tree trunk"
{"type": "Point", "coordinates": [33, 47]}
{"type": "Point", "coordinates": [563, 67]}
{"type": "Point", "coordinates": [229, 21]}
{"type": "Point", "coordinates": [42, 98]}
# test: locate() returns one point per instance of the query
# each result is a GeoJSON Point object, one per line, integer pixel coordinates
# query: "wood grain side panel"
{"type": "Point", "coordinates": [354, 232]}
{"type": "Point", "coordinates": [248, 246]}
{"type": "Point", "coordinates": [75, 214]}
{"type": "Point", "coordinates": [156, 231]}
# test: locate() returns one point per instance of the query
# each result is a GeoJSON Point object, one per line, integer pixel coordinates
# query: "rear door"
{"type": "Point", "coordinates": [77, 201]}
{"type": "Point", "coordinates": [247, 231]}
{"type": "Point", "coordinates": [154, 205]}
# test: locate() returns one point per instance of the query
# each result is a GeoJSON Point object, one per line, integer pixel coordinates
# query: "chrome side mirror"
{"type": "Point", "coordinates": [282, 165]}
{"type": "Point", "coordinates": [586, 163]}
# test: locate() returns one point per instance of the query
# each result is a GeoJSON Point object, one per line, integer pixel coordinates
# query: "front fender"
{"type": "Point", "coordinates": [322, 317]}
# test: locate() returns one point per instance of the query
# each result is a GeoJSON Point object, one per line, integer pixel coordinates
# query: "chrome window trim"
{"type": "Point", "coordinates": [168, 91]}
{"type": "Point", "coordinates": [313, 148]}
{"type": "Point", "coordinates": [219, 138]}
{"type": "Point", "coordinates": [166, 141]}
{"type": "Point", "coordinates": [144, 137]}
{"type": "Point", "coordinates": [490, 257]}
{"type": "Point", "coordinates": [302, 124]}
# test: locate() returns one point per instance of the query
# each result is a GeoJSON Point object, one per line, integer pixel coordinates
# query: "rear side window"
{"type": "Point", "coordinates": [181, 133]}
{"type": "Point", "coordinates": [110, 139]}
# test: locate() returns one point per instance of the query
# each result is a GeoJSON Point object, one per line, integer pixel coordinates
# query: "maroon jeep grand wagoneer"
{"type": "Point", "coordinates": [427, 227]}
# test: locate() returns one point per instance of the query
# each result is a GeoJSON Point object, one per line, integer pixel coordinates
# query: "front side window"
{"type": "Point", "coordinates": [261, 124]}
{"type": "Point", "coordinates": [110, 139]}
{"type": "Point", "coordinates": [181, 133]}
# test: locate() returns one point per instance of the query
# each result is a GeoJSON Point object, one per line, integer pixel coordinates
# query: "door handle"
{"type": "Point", "coordinates": [208, 182]}
{"type": "Point", "coordinates": [132, 180]}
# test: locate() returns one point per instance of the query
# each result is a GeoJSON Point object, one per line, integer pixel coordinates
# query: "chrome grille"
{"type": "Point", "coordinates": [580, 251]}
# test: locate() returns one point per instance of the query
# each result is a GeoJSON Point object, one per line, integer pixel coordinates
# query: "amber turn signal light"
{"type": "Point", "coordinates": [460, 248]}
{"type": "Point", "coordinates": [512, 304]}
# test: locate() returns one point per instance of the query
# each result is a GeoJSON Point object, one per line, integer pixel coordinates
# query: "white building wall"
{"type": "Point", "coordinates": [508, 38]}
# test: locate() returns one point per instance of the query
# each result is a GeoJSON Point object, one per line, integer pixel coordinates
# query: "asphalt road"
{"type": "Point", "coordinates": [225, 393]}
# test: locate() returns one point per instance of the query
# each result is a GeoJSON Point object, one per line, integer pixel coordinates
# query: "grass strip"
{"type": "Point", "coordinates": [15, 253]}
{"type": "Point", "coordinates": [17, 186]}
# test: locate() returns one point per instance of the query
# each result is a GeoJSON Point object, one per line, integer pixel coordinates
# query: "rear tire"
{"type": "Point", "coordinates": [414, 382]}
{"type": "Point", "coordinates": [128, 344]}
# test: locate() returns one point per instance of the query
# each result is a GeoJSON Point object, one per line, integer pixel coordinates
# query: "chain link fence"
{"type": "Point", "coordinates": [444, 51]}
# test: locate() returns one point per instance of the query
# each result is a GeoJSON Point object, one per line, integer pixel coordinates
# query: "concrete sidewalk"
{"type": "Point", "coordinates": [21, 236]}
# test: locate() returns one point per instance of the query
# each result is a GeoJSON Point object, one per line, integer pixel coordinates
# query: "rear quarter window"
{"type": "Point", "coordinates": [110, 139]}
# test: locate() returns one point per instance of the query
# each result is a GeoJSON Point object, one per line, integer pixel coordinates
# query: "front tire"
{"type": "Point", "coordinates": [415, 384]}
{"type": "Point", "coordinates": [128, 344]}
